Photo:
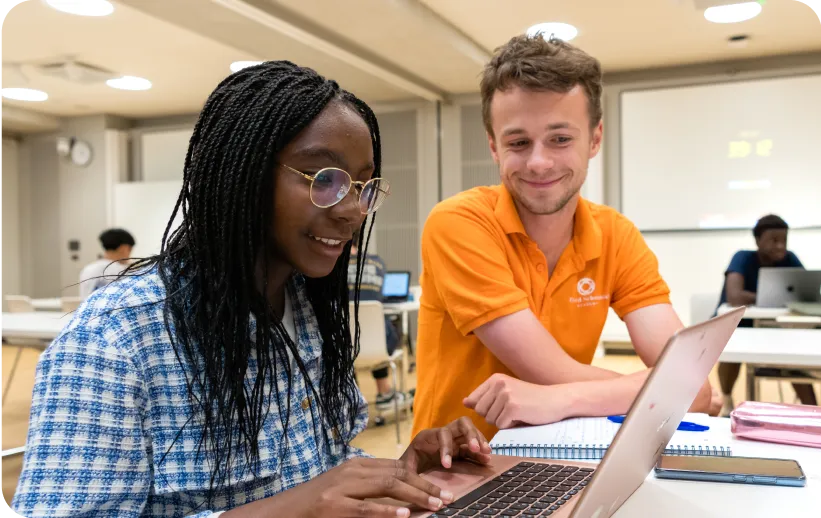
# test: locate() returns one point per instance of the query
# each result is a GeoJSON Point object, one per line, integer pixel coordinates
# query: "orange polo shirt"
{"type": "Point", "coordinates": [478, 264]}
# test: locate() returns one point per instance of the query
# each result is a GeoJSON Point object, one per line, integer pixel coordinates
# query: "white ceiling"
{"type": "Point", "coordinates": [383, 50]}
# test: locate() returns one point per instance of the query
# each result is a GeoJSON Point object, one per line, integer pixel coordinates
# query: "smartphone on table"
{"type": "Point", "coordinates": [739, 470]}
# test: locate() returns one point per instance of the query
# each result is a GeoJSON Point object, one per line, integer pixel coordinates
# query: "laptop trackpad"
{"type": "Point", "coordinates": [456, 481]}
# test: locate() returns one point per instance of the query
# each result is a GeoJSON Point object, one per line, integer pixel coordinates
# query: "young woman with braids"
{"type": "Point", "coordinates": [217, 376]}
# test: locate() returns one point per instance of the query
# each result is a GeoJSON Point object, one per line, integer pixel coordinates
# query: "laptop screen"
{"type": "Point", "coordinates": [396, 284]}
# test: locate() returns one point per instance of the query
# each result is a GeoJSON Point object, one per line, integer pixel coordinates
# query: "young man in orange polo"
{"type": "Point", "coordinates": [518, 278]}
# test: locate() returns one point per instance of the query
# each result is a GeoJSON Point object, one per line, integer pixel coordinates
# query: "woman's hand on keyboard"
{"type": "Point", "coordinates": [346, 490]}
{"type": "Point", "coordinates": [439, 446]}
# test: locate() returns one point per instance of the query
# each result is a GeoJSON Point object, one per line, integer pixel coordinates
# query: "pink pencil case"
{"type": "Point", "coordinates": [799, 425]}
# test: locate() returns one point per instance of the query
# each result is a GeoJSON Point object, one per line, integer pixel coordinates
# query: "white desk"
{"type": "Point", "coordinates": [32, 328]}
{"type": "Point", "coordinates": [403, 309]}
{"type": "Point", "coordinates": [760, 347]}
{"type": "Point", "coordinates": [55, 304]}
{"type": "Point", "coordinates": [806, 320]}
{"type": "Point", "coordinates": [757, 313]}
{"type": "Point", "coordinates": [684, 499]}
{"type": "Point", "coordinates": [397, 308]}
{"type": "Point", "coordinates": [44, 325]}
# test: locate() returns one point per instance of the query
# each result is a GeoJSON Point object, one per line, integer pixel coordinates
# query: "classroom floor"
{"type": "Point", "coordinates": [379, 441]}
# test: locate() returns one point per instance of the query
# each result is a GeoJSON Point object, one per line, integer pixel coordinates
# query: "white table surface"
{"type": "Point", "coordinates": [774, 346]}
{"type": "Point", "coordinates": [685, 499]}
{"type": "Point", "coordinates": [45, 325]}
{"type": "Point", "coordinates": [395, 308]}
{"type": "Point", "coordinates": [55, 304]}
{"type": "Point", "coordinates": [798, 319]}
{"type": "Point", "coordinates": [757, 313]}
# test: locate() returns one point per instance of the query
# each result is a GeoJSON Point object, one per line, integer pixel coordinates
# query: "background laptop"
{"type": "Point", "coordinates": [778, 287]}
{"type": "Point", "coordinates": [518, 486]}
{"type": "Point", "coordinates": [396, 286]}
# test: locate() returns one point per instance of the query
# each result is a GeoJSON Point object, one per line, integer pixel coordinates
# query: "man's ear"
{"type": "Point", "coordinates": [596, 139]}
{"type": "Point", "coordinates": [493, 151]}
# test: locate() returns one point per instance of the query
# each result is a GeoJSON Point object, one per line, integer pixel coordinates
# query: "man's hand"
{"type": "Point", "coordinates": [708, 401]}
{"type": "Point", "coordinates": [505, 402]}
{"type": "Point", "coordinates": [716, 402]}
{"type": "Point", "coordinates": [439, 446]}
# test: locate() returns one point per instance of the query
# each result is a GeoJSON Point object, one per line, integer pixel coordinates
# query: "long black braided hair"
{"type": "Point", "coordinates": [208, 266]}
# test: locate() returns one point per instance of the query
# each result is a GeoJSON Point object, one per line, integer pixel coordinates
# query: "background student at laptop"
{"type": "Point", "coordinates": [741, 284]}
{"type": "Point", "coordinates": [373, 277]}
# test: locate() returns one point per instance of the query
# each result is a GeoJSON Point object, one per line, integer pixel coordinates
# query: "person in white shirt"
{"type": "Point", "coordinates": [117, 244]}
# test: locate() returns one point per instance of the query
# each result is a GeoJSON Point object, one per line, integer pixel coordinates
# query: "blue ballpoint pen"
{"type": "Point", "coordinates": [684, 426]}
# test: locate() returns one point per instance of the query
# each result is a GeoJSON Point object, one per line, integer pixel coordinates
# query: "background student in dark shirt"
{"type": "Point", "coordinates": [373, 277]}
{"type": "Point", "coordinates": [741, 283]}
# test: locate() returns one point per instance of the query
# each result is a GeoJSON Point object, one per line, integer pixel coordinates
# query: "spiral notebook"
{"type": "Point", "coordinates": [587, 438]}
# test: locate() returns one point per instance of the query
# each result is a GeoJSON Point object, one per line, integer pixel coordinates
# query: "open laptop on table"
{"type": "Point", "coordinates": [519, 486]}
{"type": "Point", "coordinates": [778, 287]}
{"type": "Point", "coordinates": [396, 286]}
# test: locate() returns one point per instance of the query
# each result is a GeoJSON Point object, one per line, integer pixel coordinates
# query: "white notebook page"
{"type": "Point", "coordinates": [594, 431]}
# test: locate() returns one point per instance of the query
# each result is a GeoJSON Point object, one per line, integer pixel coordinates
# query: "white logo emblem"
{"type": "Point", "coordinates": [586, 286]}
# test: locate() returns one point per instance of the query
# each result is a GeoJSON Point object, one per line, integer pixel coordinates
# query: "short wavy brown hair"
{"type": "Point", "coordinates": [534, 63]}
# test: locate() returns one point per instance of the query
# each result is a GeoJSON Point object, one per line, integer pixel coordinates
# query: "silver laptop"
{"type": "Point", "coordinates": [520, 486]}
{"type": "Point", "coordinates": [778, 287]}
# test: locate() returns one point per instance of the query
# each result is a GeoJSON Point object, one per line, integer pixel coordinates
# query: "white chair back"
{"type": "Point", "coordinates": [19, 304]}
{"type": "Point", "coordinates": [372, 345]}
{"type": "Point", "coordinates": [702, 306]}
{"type": "Point", "coordinates": [69, 304]}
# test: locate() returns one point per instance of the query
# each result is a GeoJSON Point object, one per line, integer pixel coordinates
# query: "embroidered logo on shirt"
{"type": "Point", "coordinates": [586, 286]}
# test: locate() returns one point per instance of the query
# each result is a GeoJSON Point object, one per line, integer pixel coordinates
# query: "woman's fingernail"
{"type": "Point", "coordinates": [447, 496]}
{"type": "Point", "coordinates": [474, 443]}
{"type": "Point", "coordinates": [447, 461]}
{"type": "Point", "coordinates": [403, 512]}
{"type": "Point", "coordinates": [434, 502]}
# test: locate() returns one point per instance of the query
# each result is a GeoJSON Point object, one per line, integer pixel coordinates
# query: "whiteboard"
{"type": "Point", "coordinates": [722, 155]}
{"type": "Point", "coordinates": [144, 208]}
{"type": "Point", "coordinates": [163, 154]}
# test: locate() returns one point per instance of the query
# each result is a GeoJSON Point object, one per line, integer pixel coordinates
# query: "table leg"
{"type": "Point", "coordinates": [11, 373]}
{"type": "Point", "coordinates": [751, 392]}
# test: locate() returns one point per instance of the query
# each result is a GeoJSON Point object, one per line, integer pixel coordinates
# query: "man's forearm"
{"type": "Point", "coordinates": [615, 396]}
{"type": "Point", "coordinates": [522, 343]}
{"type": "Point", "coordinates": [741, 298]}
{"type": "Point", "coordinates": [744, 298]}
{"type": "Point", "coordinates": [603, 397]}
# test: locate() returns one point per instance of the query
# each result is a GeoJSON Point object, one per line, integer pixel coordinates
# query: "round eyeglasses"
{"type": "Point", "coordinates": [330, 185]}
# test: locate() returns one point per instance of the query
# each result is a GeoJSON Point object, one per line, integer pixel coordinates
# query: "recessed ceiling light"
{"type": "Point", "coordinates": [24, 94]}
{"type": "Point", "coordinates": [732, 13]}
{"type": "Point", "coordinates": [129, 83]}
{"type": "Point", "coordinates": [236, 66]}
{"type": "Point", "coordinates": [83, 7]}
{"type": "Point", "coordinates": [562, 31]}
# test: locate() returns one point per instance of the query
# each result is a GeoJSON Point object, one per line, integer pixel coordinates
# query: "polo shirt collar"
{"type": "Point", "coordinates": [587, 234]}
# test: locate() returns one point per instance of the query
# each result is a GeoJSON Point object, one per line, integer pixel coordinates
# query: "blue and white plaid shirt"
{"type": "Point", "coordinates": [110, 398]}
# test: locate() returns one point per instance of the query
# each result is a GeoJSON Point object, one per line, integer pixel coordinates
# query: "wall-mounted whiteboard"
{"type": "Point", "coordinates": [144, 208]}
{"type": "Point", "coordinates": [163, 154]}
{"type": "Point", "coordinates": [722, 155]}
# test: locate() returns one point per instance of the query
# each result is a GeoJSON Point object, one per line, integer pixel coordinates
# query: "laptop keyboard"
{"type": "Point", "coordinates": [526, 489]}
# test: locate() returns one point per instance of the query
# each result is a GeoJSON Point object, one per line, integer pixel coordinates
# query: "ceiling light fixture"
{"type": "Point", "coordinates": [129, 83]}
{"type": "Point", "coordinates": [83, 7]}
{"type": "Point", "coordinates": [732, 13]}
{"type": "Point", "coordinates": [562, 31]}
{"type": "Point", "coordinates": [25, 94]}
{"type": "Point", "coordinates": [236, 66]}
